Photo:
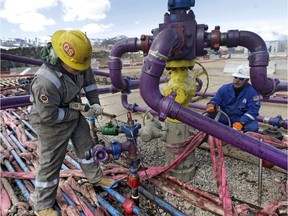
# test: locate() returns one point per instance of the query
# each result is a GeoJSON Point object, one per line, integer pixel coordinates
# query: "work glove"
{"type": "Point", "coordinates": [211, 108]}
{"type": "Point", "coordinates": [94, 110]}
{"type": "Point", "coordinates": [238, 126]}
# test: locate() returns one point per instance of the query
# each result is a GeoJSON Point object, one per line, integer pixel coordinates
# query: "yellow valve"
{"type": "Point", "coordinates": [181, 82]}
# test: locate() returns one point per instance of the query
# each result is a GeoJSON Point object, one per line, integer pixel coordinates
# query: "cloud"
{"type": "Point", "coordinates": [26, 14]}
{"type": "Point", "coordinates": [86, 10]}
{"type": "Point", "coordinates": [37, 26]}
{"type": "Point", "coordinates": [36, 15]}
{"type": "Point", "coordinates": [278, 31]}
{"type": "Point", "coordinates": [93, 29]}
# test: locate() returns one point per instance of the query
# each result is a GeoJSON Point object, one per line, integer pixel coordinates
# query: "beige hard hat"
{"type": "Point", "coordinates": [242, 71]}
{"type": "Point", "coordinates": [73, 47]}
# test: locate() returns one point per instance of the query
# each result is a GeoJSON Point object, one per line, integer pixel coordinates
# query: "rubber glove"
{"type": "Point", "coordinates": [95, 110]}
{"type": "Point", "coordinates": [238, 126]}
{"type": "Point", "coordinates": [211, 108]}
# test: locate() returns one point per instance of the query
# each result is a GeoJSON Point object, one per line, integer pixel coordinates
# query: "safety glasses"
{"type": "Point", "coordinates": [241, 79]}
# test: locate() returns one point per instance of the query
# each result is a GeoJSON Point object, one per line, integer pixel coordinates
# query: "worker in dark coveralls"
{"type": "Point", "coordinates": [239, 100]}
{"type": "Point", "coordinates": [57, 83]}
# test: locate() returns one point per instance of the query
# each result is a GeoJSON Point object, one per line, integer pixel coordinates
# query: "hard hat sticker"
{"type": "Point", "coordinates": [68, 49]}
{"type": "Point", "coordinates": [43, 99]}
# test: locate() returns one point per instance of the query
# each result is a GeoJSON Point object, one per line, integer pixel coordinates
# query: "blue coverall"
{"type": "Point", "coordinates": [243, 109]}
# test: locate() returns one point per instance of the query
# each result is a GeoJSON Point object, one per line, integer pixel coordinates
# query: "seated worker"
{"type": "Point", "coordinates": [239, 100]}
{"type": "Point", "coordinates": [66, 70]}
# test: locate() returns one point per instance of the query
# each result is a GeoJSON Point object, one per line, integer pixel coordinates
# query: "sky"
{"type": "Point", "coordinates": [132, 18]}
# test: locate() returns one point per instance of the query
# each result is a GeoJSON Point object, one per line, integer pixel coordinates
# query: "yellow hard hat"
{"type": "Point", "coordinates": [73, 47]}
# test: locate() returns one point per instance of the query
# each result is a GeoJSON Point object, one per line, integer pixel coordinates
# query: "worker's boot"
{"type": "Point", "coordinates": [47, 212]}
{"type": "Point", "coordinates": [105, 182]}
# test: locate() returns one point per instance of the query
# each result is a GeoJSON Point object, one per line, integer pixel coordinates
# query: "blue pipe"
{"type": "Point", "coordinates": [24, 122]}
{"type": "Point", "coordinates": [16, 156]}
{"type": "Point", "coordinates": [15, 140]}
{"type": "Point", "coordinates": [64, 167]}
{"type": "Point", "coordinates": [89, 205]}
{"type": "Point", "coordinates": [121, 199]}
{"type": "Point", "coordinates": [70, 202]}
{"type": "Point", "coordinates": [162, 203]}
{"type": "Point", "coordinates": [108, 207]}
{"type": "Point", "coordinates": [19, 183]}
{"type": "Point", "coordinates": [11, 117]}
{"type": "Point", "coordinates": [29, 134]}
{"type": "Point", "coordinates": [14, 153]}
{"type": "Point", "coordinates": [102, 202]}
{"type": "Point", "coordinates": [73, 162]}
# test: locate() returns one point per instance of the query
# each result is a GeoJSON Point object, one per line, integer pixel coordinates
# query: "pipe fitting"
{"type": "Point", "coordinates": [260, 58]}
{"type": "Point", "coordinates": [115, 64]}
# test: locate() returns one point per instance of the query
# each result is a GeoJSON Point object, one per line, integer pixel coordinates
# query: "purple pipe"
{"type": "Point", "coordinates": [134, 107]}
{"type": "Point", "coordinates": [26, 60]}
{"type": "Point", "coordinates": [14, 102]}
{"type": "Point", "coordinates": [152, 70]}
{"type": "Point", "coordinates": [268, 100]}
{"type": "Point", "coordinates": [101, 73]}
{"type": "Point", "coordinates": [129, 146]}
{"type": "Point", "coordinates": [282, 86]}
{"type": "Point", "coordinates": [258, 59]}
{"type": "Point", "coordinates": [269, 120]}
{"type": "Point", "coordinates": [115, 63]}
{"type": "Point", "coordinates": [273, 121]}
{"type": "Point", "coordinates": [38, 62]}
{"type": "Point", "coordinates": [21, 101]}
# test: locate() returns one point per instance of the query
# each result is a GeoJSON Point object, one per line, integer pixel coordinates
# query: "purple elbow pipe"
{"type": "Point", "coordinates": [134, 107]}
{"type": "Point", "coordinates": [166, 106]}
{"type": "Point", "coordinates": [258, 59]}
{"type": "Point", "coordinates": [115, 63]}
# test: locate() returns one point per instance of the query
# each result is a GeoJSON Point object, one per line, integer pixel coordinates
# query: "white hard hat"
{"type": "Point", "coordinates": [242, 71]}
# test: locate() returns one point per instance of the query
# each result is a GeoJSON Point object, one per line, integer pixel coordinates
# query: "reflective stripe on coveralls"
{"type": "Point", "coordinates": [46, 184]}
{"type": "Point", "coordinates": [50, 76]}
{"type": "Point", "coordinates": [90, 88]}
{"type": "Point", "coordinates": [250, 116]}
{"type": "Point", "coordinates": [84, 161]}
{"type": "Point", "coordinates": [61, 114]}
{"type": "Point", "coordinates": [56, 82]}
